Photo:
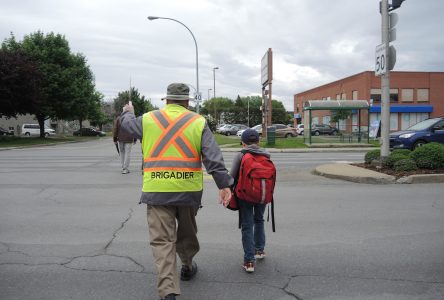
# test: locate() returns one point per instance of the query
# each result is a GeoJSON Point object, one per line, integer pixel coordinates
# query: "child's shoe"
{"type": "Point", "coordinates": [248, 267]}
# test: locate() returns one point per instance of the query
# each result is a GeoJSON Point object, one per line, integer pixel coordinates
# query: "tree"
{"type": "Point", "coordinates": [279, 114]}
{"type": "Point", "coordinates": [217, 110]}
{"type": "Point", "coordinates": [337, 115]}
{"type": "Point", "coordinates": [66, 77]}
{"type": "Point", "coordinates": [87, 102]}
{"type": "Point", "coordinates": [20, 80]}
{"type": "Point", "coordinates": [141, 105]}
{"type": "Point", "coordinates": [98, 115]}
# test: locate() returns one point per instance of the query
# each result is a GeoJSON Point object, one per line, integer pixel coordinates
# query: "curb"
{"type": "Point", "coordinates": [361, 175]}
{"type": "Point", "coordinates": [423, 178]}
{"type": "Point", "coordinates": [303, 150]}
{"type": "Point", "coordinates": [353, 174]}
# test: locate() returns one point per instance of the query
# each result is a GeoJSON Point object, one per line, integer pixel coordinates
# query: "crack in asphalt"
{"type": "Point", "coordinates": [117, 230]}
{"type": "Point", "coordinates": [102, 252]}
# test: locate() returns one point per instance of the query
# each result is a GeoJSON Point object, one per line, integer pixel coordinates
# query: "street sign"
{"type": "Point", "coordinates": [380, 60]}
{"type": "Point", "coordinates": [392, 57]}
{"type": "Point", "coordinates": [393, 20]}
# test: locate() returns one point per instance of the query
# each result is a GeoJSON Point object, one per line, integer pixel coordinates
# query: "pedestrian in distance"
{"type": "Point", "coordinates": [125, 142]}
{"type": "Point", "coordinates": [175, 143]}
{"type": "Point", "coordinates": [255, 177]}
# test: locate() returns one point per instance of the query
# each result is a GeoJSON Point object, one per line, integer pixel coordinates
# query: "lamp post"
{"type": "Point", "coordinates": [214, 91]}
{"type": "Point", "coordinates": [198, 96]}
{"type": "Point", "coordinates": [214, 81]}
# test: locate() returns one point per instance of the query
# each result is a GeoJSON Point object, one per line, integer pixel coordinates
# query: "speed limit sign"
{"type": "Point", "coordinates": [380, 60]}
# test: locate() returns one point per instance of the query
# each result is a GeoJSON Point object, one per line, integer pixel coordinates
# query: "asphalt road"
{"type": "Point", "coordinates": [71, 228]}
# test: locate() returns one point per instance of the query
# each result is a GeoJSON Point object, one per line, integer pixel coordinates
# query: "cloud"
{"type": "Point", "coordinates": [313, 42]}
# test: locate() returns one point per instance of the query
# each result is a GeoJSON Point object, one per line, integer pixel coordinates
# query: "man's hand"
{"type": "Point", "coordinates": [225, 196]}
{"type": "Point", "coordinates": [128, 107]}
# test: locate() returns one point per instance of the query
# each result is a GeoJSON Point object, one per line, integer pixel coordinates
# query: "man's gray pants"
{"type": "Point", "coordinates": [125, 154]}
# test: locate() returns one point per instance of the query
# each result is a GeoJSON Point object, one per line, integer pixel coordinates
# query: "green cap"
{"type": "Point", "coordinates": [178, 91]}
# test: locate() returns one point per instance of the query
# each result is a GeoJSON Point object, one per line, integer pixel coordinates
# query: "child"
{"type": "Point", "coordinates": [251, 214]}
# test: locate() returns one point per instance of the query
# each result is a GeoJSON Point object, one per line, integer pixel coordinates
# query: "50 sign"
{"type": "Point", "coordinates": [380, 60]}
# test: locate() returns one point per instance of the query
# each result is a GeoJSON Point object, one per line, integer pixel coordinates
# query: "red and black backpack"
{"type": "Point", "coordinates": [255, 181]}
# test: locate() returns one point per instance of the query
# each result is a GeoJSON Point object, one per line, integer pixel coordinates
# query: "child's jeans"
{"type": "Point", "coordinates": [252, 226]}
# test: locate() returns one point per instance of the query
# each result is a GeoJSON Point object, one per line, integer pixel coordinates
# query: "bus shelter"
{"type": "Point", "coordinates": [334, 105]}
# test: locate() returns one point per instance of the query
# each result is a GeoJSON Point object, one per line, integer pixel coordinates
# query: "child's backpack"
{"type": "Point", "coordinates": [255, 182]}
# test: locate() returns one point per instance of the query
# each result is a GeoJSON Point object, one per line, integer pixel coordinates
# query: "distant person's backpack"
{"type": "Point", "coordinates": [255, 182]}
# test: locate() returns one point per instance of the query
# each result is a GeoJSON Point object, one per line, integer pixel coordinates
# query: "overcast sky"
{"type": "Point", "coordinates": [313, 41]}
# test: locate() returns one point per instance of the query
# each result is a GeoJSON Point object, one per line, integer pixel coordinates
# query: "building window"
{"type": "Point", "coordinates": [393, 95]}
{"type": "Point", "coordinates": [423, 95]}
{"type": "Point", "coordinates": [407, 95]}
{"type": "Point", "coordinates": [355, 95]}
{"type": "Point", "coordinates": [343, 96]}
{"type": "Point", "coordinates": [375, 94]}
{"type": "Point", "coordinates": [393, 122]}
{"type": "Point", "coordinates": [338, 97]}
{"type": "Point", "coordinates": [409, 119]}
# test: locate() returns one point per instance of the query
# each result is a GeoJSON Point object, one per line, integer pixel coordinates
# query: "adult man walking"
{"type": "Point", "coordinates": [125, 142]}
{"type": "Point", "coordinates": [175, 143]}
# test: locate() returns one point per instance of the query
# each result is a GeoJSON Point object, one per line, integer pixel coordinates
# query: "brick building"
{"type": "Point", "coordinates": [414, 96]}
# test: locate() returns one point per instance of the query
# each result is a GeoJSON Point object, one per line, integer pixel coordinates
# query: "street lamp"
{"type": "Point", "coordinates": [214, 81]}
{"type": "Point", "coordinates": [151, 18]}
{"type": "Point", "coordinates": [214, 92]}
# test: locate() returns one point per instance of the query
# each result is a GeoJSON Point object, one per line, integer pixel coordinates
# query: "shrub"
{"type": "Point", "coordinates": [372, 155]}
{"type": "Point", "coordinates": [395, 156]}
{"type": "Point", "coordinates": [429, 156]}
{"type": "Point", "coordinates": [402, 151]}
{"type": "Point", "coordinates": [407, 164]}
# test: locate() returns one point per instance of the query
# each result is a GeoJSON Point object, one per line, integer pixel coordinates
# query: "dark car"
{"type": "Point", "coordinates": [317, 129]}
{"type": "Point", "coordinates": [430, 130]}
{"type": "Point", "coordinates": [6, 132]}
{"type": "Point", "coordinates": [88, 132]}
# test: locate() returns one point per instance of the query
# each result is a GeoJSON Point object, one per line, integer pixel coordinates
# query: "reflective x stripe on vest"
{"type": "Point", "coordinates": [190, 159]}
{"type": "Point", "coordinates": [171, 160]}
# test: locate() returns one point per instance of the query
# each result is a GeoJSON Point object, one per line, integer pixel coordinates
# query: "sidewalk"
{"type": "Point", "coordinates": [353, 173]}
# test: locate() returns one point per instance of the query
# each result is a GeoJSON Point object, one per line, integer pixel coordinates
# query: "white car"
{"type": "Point", "coordinates": [300, 129]}
{"type": "Point", "coordinates": [221, 128]}
{"type": "Point", "coordinates": [34, 129]}
{"type": "Point", "coordinates": [258, 129]}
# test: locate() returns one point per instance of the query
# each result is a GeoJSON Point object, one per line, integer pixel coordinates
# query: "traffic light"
{"type": "Point", "coordinates": [396, 4]}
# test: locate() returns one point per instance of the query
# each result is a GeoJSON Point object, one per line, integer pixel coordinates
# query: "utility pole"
{"type": "Point", "coordinates": [385, 85]}
{"type": "Point", "coordinates": [385, 61]}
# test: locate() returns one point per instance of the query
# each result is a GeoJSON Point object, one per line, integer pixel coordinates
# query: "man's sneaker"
{"type": "Point", "coordinates": [259, 254]}
{"type": "Point", "coordinates": [248, 267]}
{"type": "Point", "coordinates": [186, 274]}
{"type": "Point", "coordinates": [125, 171]}
{"type": "Point", "coordinates": [169, 297]}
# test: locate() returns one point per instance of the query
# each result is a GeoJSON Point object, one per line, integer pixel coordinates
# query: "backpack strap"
{"type": "Point", "coordinates": [272, 216]}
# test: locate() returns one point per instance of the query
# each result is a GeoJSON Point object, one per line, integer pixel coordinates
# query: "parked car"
{"type": "Point", "coordinates": [317, 129]}
{"type": "Point", "coordinates": [6, 132]}
{"type": "Point", "coordinates": [88, 132]}
{"type": "Point", "coordinates": [258, 129]}
{"type": "Point", "coordinates": [300, 129]}
{"type": "Point", "coordinates": [232, 129]}
{"type": "Point", "coordinates": [430, 130]}
{"type": "Point", "coordinates": [284, 131]}
{"type": "Point", "coordinates": [34, 129]}
{"type": "Point", "coordinates": [221, 127]}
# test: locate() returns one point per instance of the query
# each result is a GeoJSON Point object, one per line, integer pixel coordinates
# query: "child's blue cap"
{"type": "Point", "coordinates": [250, 136]}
